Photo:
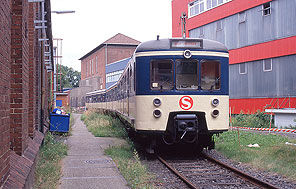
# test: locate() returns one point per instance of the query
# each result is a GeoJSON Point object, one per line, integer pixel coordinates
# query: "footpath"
{"type": "Point", "coordinates": [86, 166]}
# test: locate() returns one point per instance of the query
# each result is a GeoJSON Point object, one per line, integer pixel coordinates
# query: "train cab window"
{"type": "Point", "coordinates": [187, 74]}
{"type": "Point", "coordinates": [210, 74]}
{"type": "Point", "coordinates": [161, 75]}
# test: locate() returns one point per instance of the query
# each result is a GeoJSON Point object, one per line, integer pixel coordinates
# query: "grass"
{"type": "Point", "coordinates": [272, 155]}
{"type": "Point", "coordinates": [48, 170]}
{"type": "Point", "coordinates": [258, 120]}
{"type": "Point", "coordinates": [125, 156]}
{"type": "Point", "coordinates": [130, 166]}
{"type": "Point", "coordinates": [101, 125]}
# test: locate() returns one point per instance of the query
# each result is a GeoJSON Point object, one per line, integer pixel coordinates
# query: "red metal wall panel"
{"type": "Point", "coordinates": [225, 10]}
{"type": "Point", "coordinates": [276, 48]}
{"type": "Point", "coordinates": [251, 105]}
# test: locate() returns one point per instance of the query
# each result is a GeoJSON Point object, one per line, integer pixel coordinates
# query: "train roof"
{"type": "Point", "coordinates": [165, 44]}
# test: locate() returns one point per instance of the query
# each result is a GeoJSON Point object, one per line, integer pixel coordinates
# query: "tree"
{"type": "Point", "coordinates": [70, 77]}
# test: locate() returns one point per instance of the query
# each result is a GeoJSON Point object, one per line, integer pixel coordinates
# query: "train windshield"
{"type": "Point", "coordinates": [161, 74]}
{"type": "Point", "coordinates": [187, 74]}
{"type": "Point", "coordinates": [210, 74]}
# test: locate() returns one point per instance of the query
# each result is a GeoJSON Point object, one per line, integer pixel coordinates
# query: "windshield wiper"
{"type": "Point", "coordinates": [216, 82]}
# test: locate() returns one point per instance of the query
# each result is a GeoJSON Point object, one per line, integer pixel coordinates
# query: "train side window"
{"type": "Point", "coordinates": [161, 74]}
{"type": "Point", "coordinates": [187, 74]}
{"type": "Point", "coordinates": [210, 74]}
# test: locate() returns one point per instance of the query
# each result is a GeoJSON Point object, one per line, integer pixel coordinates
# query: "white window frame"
{"type": "Point", "coordinates": [242, 17]}
{"type": "Point", "coordinates": [246, 68]}
{"type": "Point", "coordinates": [264, 9]}
{"type": "Point", "coordinates": [219, 25]}
{"type": "Point", "coordinates": [267, 70]}
{"type": "Point", "coordinates": [192, 5]}
{"type": "Point", "coordinates": [201, 32]}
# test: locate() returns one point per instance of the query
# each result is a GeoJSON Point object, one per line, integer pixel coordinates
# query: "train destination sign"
{"type": "Point", "coordinates": [182, 43]}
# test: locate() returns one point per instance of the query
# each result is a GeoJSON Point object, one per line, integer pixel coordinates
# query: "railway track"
{"type": "Point", "coordinates": [207, 172]}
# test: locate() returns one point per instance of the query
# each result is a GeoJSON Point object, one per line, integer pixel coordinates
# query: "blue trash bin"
{"type": "Point", "coordinates": [59, 122]}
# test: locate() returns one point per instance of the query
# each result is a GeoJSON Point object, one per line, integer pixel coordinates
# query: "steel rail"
{"type": "Point", "coordinates": [184, 179]}
{"type": "Point", "coordinates": [241, 174]}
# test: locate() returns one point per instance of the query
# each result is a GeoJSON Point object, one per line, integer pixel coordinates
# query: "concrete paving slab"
{"type": "Point", "coordinates": [90, 172]}
{"type": "Point", "coordinates": [114, 182]}
{"type": "Point", "coordinates": [90, 162]}
{"type": "Point", "coordinates": [86, 166]}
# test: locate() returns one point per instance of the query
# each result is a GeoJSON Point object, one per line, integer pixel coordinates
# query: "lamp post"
{"type": "Point", "coordinates": [57, 59]}
{"type": "Point", "coordinates": [63, 12]}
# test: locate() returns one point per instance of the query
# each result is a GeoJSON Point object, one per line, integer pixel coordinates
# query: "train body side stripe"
{"type": "Point", "coordinates": [170, 53]}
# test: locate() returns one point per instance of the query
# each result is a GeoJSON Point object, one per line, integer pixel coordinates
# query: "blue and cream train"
{"type": "Point", "coordinates": [172, 91]}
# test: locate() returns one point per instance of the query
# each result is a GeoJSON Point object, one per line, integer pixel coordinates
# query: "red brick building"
{"type": "Point", "coordinates": [93, 65]}
{"type": "Point", "coordinates": [116, 48]}
{"type": "Point", "coordinates": [25, 74]}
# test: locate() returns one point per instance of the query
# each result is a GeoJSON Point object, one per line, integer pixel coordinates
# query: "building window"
{"type": "Point", "coordinates": [86, 69]}
{"type": "Point", "coordinates": [214, 3]}
{"type": "Point", "coordinates": [267, 65]}
{"type": "Point", "coordinates": [242, 17]}
{"type": "Point", "coordinates": [89, 67]}
{"type": "Point", "coordinates": [266, 9]}
{"type": "Point", "coordinates": [219, 25]}
{"type": "Point", "coordinates": [209, 4]}
{"type": "Point", "coordinates": [243, 68]}
{"type": "Point", "coordinates": [201, 32]}
{"type": "Point", "coordinates": [199, 6]}
{"type": "Point", "coordinates": [97, 64]}
{"type": "Point", "coordinates": [92, 66]}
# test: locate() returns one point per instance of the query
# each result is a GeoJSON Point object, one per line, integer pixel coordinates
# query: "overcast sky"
{"type": "Point", "coordinates": [95, 21]}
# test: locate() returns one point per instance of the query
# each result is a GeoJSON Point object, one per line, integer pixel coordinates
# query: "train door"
{"type": "Point", "coordinates": [128, 89]}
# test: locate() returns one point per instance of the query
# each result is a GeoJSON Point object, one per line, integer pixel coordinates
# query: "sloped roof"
{"type": "Point", "coordinates": [118, 40]}
{"type": "Point", "coordinates": [116, 66]}
{"type": "Point", "coordinates": [121, 39]}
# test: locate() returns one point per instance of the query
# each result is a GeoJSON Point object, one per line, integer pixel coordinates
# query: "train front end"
{"type": "Point", "coordinates": [182, 91]}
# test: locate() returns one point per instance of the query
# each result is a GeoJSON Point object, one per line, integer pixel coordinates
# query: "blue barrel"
{"type": "Point", "coordinates": [59, 123]}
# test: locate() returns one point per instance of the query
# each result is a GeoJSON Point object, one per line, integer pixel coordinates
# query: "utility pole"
{"type": "Point", "coordinates": [183, 21]}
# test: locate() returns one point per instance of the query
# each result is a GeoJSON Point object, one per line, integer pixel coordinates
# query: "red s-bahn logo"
{"type": "Point", "coordinates": [186, 102]}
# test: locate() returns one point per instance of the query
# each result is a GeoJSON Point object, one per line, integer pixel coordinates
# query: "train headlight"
{"type": "Point", "coordinates": [187, 54]}
{"type": "Point", "coordinates": [157, 113]}
{"type": "Point", "coordinates": [215, 113]}
{"type": "Point", "coordinates": [215, 102]}
{"type": "Point", "coordinates": [156, 102]}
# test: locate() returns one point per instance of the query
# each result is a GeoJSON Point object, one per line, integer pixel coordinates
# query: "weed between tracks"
{"type": "Point", "coordinates": [48, 170]}
{"type": "Point", "coordinates": [125, 156]}
{"type": "Point", "coordinates": [130, 166]}
{"type": "Point", "coordinates": [272, 155]}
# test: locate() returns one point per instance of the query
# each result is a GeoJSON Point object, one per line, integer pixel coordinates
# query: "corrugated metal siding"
{"type": "Point", "coordinates": [256, 29]}
{"type": "Point", "coordinates": [281, 81]}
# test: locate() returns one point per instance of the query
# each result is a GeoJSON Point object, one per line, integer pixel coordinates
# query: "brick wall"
{"type": "Point", "coordinates": [5, 8]}
{"type": "Point", "coordinates": [19, 96]}
{"type": "Point", "coordinates": [116, 53]}
{"type": "Point", "coordinates": [32, 71]}
{"type": "Point", "coordinates": [37, 52]}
